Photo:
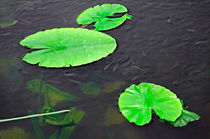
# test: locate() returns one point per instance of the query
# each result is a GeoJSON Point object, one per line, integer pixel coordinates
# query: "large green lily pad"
{"type": "Point", "coordinates": [138, 101]}
{"type": "Point", "coordinates": [102, 16]}
{"type": "Point", "coordinates": [62, 47]}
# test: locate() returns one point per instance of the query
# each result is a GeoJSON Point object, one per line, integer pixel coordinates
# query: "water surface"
{"type": "Point", "coordinates": [166, 43]}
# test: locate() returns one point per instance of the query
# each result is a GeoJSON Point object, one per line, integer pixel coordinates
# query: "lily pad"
{"type": "Point", "coordinates": [63, 47]}
{"type": "Point", "coordinates": [138, 101]}
{"type": "Point", "coordinates": [185, 118]}
{"type": "Point", "coordinates": [102, 16]}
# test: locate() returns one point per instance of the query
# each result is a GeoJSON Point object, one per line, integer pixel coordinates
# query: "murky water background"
{"type": "Point", "coordinates": [167, 42]}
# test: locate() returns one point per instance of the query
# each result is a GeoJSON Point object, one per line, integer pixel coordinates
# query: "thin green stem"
{"type": "Point", "coordinates": [34, 115]}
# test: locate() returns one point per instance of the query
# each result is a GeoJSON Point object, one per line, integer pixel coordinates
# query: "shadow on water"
{"type": "Point", "coordinates": [166, 42]}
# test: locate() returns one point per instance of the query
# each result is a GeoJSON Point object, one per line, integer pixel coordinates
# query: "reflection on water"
{"type": "Point", "coordinates": [165, 43]}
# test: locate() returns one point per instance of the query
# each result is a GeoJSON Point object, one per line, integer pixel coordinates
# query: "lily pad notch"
{"type": "Point", "coordinates": [103, 16]}
{"type": "Point", "coordinates": [62, 47]}
{"type": "Point", "coordinates": [65, 47]}
{"type": "Point", "coordinates": [138, 102]}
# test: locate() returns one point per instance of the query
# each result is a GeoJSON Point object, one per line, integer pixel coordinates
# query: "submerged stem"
{"type": "Point", "coordinates": [33, 116]}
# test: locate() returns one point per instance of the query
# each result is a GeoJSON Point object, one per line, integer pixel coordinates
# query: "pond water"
{"type": "Point", "coordinates": [166, 42]}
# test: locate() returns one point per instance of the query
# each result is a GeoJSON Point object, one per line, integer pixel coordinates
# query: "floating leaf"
{"type": "Point", "coordinates": [51, 94]}
{"type": "Point", "coordinates": [91, 88]}
{"type": "Point", "coordinates": [185, 118]}
{"type": "Point", "coordinates": [14, 133]}
{"type": "Point", "coordinates": [67, 46]}
{"type": "Point", "coordinates": [102, 16]}
{"type": "Point", "coordinates": [114, 86]}
{"type": "Point", "coordinates": [113, 117]}
{"type": "Point", "coordinates": [137, 103]}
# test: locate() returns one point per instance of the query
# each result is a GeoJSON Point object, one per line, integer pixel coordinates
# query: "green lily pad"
{"type": "Point", "coordinates": [138, 101]}
{"type": "Point", "coordinates": [67, 46]}
{"type": "Point", "coordinates": [102, 16]}
{"type": "Point", "coordinates": [51, 95]}
{"type": "Point", "coordinates": [185, 118]}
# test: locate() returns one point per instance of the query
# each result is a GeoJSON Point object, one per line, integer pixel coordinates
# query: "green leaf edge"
{"type": "Point", "coordinates": [152, 109]}
{"type": "Point", "coordinates": [128, 16]}
{"type": "Point", "coordinates": [195, 115]}
{"type": "Point", "coordinates": [22, 41]}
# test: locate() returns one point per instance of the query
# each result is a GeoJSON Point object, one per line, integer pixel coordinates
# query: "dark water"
{"type": "Point", "coordinates": [167, 42]}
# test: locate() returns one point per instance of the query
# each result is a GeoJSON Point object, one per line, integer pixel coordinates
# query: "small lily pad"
{"type": "Point", "coordinates": [138, 101]}
{"type": "Point", "coordinates": [63, 47]}
{"type": "Point", "coordinates": [102, 16]}
{"type": "Point", "coordinates": [185, 118]}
